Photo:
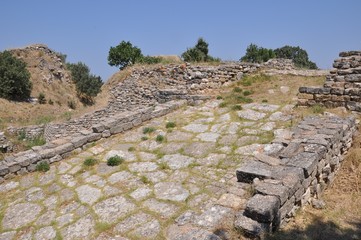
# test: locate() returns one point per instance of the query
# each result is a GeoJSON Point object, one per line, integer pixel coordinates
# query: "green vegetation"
{"type": "Point", "coordinates": [170, 125]}
{"type": "Point", "coordinates": [36, 141]}
{"type": "Point", "coordinates": [159, 138]}
{"type": "Point", "coordinates": [50, 102]}
{"type": "Point", "coordinates": [237, 90]}
{"type": "Point", "coordinates": [42, 167]}
{"type": "Point", "coordinates": [131, 149]}
{"type": "Point", "coordinates": [71, 104]}
{"type": "Point", "coordinates": [90, 162]}
{"type": "Point", "coordinates": [125, 54]}
{"type": "Point", "coordinates": [41, 98]}
{"type": "Point", "coordinates": [298, 55]}
{"type": "Point", "coordinates": [14, 78]}
{"type": "Point", "coordinates": [148, 130]}
{"type": "Point", "coordinates": [115, 161]}
{"type": "Point", "coordinates": [145, 180]}
{"type": "Point", "coordinates": [87, 85]}
{"type": "Point", "coordinates": [318, 109]}
{"type": "Point", "coordinates": [163, 166]}
{"type": "Point", "coordinates": [44, 119]}
{"type": "Point", "coordinates": [219, 97]}
{"type": "Point", "coordinates": [199, 53]}
{"type": "Point", "coordinates": [144, 138]}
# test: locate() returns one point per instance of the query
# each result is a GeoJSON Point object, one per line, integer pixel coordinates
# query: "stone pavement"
{"type": "Point", "coordinates": [182, 187]}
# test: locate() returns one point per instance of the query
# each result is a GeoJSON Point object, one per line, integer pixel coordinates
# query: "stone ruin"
{"type": "Point", "coordinates": [342, 87]}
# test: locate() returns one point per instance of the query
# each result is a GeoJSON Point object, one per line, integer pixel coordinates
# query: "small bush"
{"type": "Point", "coordinates": [144, 138]}
{"type": "Point", "coordinates": [264, 100]}
{"type": "Point", "coordinates": [148, 130]}
{"type": "Point", "coordinates": [90, 162]}
{"type": "Point", "coordinates": [170, 125]}
{"type": "Point", "coordinates": [115, 161]}
{"type": "Point", "coordinates": [21, 135]}
{"type": "Point", "coordinates": [159, 138]}
{"type": "Point", "coordinates": [36, 141]}
{"type": "Point", "coordinates": [42, 167]}
{"type": "Point", "coordinates": [222, 104]}
{"type": "Point", "coordinates": [71, 104]}
{"type": "Point", "coordinates": [318, 109]}
{"type": "Point", "coordinates": [41, 98]}
{"type": "Point", "coordinates": [163, 166]}
{"type": "Point", "coordinates": [50, 102]}
{"type": "Point", "coordinates": [219, 97]}
{"type": "Point", "coordinates": [131, 149]}
{"type": "Point", "coordinates": [144, 179]}
{"type": "Point", "coordinates": [237, 90]}
{"type": "Point", "coordinates": [247, 93]}
{"type": "Point", "coordinates": [236, 107]}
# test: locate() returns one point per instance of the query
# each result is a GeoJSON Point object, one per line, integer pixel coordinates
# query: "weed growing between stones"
{"type": "Point", "coordinates": [42, 167]}
{"type": "Point", "coordinates": [36, 141]}
{"type": "Point", "coordinates": [115, 161]}
{"type": "Point", "coordinates": [219, 97]}
{"type": "Point", "coordinates": [148, 130]}
{"type": "Point", "coordinates": [318, 109]}
{"type": "Point", "coordinates": [163, 166]}
{"type": "Point", "coordinates": [160, 138]}
{"type": "Point", "coordinates": [144, 138]}
{"type": "Point", "coordinates": [170, 125]}
{"type": "Point", "coordinates": [90, 162]}
{"type": "Point", "coordinates": [131, 149]}
{"type": "Point", "coordinates": [237, 90]}
{"type": "Point", "coordinates": [144, 179]}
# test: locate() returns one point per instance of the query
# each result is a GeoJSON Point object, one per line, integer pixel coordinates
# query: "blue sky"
{"type": "Point", "coordinates": [86, 29]}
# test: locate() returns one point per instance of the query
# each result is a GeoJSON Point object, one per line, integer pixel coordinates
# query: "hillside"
{"type": "Point", "coordinates": [48, 76]}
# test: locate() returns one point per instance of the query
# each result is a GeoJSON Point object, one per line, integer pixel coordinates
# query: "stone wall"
{"type": "Point", "coordinates": [342, 85]}
{"type": "Point", "coordinates": [294, 176]}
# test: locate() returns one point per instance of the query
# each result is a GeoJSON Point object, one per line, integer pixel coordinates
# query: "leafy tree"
{"type": "Point", "coordinates": [199, 53]}
{"type": "Point", "coordinates": [257, 54]}
{"type": "Point", "coordinates": [87, 85]}
{"type": "Point", "coordinates": [14, 78]}
{"type": "Point", "coordinates": [297, 54]}
{"type": "Point", "coordinates": [123, 55]}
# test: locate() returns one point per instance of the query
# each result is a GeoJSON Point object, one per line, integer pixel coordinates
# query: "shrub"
{"type": "Point", "coordinates": [41, 98]}
{"type": "Point", "coordinates": [219, 97]}
{"type": "Point", "coordinates": [144, 138]}
{"type": "Point", "coordinates": [36, 141]}
{"type": "Point", "coordinates": [159, 138]}
{"type": "Point", "coordinates": [115, 161]}
{"type": "Point", "coordinates": [42, 167]}
{"type": "Point", "coordinates": [237, 107]}
{"type": "Point", "coordinates": [50, 102]}
{"type": "Point", "coordinates": [237, 90]}
{"type": "Point", "coordinates": [148, 130]}
{"type": "Point", "coordinates": [123, 55]}
{"type": "Point", "coordinates": [298, 55]}
{"type": "Point", "coordinates": [198, 53]}
{"type": "Point", "coordinates": [264, 101]}
{"type": "Point", "coordinates": [131, 149]}
{"type": "Point", "coordinates": [170, 125]}
{"type": "Point", "coordinates": [257, 54]}
{"type": "Point", "coordinates": [90, 162]}
{"type": "Point", "coordinates": [222, 104]}
{"type": "Point", "coordinates": [71, 104]}
{"type": "Point", "coordinates": [14, 78]}
{"type": "Point", "coordinates": [247, 93]}
{"type": "Point", "coordinates": [21, 135]}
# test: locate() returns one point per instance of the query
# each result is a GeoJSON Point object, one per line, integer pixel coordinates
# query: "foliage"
{"type": "Point", "coordinates": [90, 162]}
{"type": "Point", "coordinates": [42, 167]}
{"type": "Point", "coordinates": [50, 102]}
{"type": "Point", "coordinates": [131, 149]}
{"type": "Point", "coordinates": [298, 56]}
{"type": "Point", "coordinates": [36, 141]}
{"type": "Point", "coordinates": [148, 130]}
{"type": "Point", "coordinates": [14, 78]}
{"type": "Point", "coordinates": [71, 104]}
{"type": "Point", "coordinates": [199, 53]}
{"type": "Point", "coordinates": [115, 161]}
{"type": "Point", "coordinates": [123, 55]}
{"type": "Point", "coordinates": [159, 138]}
{"type": "Point", "coordinates": [170, 125]}
{"type": "Point", "coordinates": [41, 98]}
{"type": "Point", "coordinates": [144, 179]}
{"type": "Point", "coordinates": [87, 85]}
{"type": "Point", "coordinates": [150, 60]}
{"type": "Point", "coordinates": [257, 54]}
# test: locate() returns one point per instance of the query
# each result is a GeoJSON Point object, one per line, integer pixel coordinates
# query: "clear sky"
{"type": "Point", "coordinates": [86, 29]}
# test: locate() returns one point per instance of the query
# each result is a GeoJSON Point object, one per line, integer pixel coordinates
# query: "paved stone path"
{"type": "Point", "coordinates": [178, 188]}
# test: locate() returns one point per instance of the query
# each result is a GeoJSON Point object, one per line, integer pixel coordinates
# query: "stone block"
{"type": "Point", "coordinates": [56, 158]}
{"type": "Point", "coordinates": [14, 168]}
{"type": "Point", "coordinates": [64, 148]}
{"type": "Point", "coordinates": [263, 208]}
{"type": "Point", "coordinates": [250, 227]}
{"type": "Point", "coordinates": [106, 134]}
{"type": "Point", "coordinates": [277, 190]}
{"type": "Point", "coordinates": [305, 160]}
{"type": "Point", "coordinates": [287, 207]}
{"type": "Point", "coordinates": [94, 137]}
{"type": "Point", "coordinates": [121, 128]}
{"type": "Point", "coordinates": [4, 170]}
{"type": "Point", "coordinates": [251, 169]}
{"type": "Point", "coordinates": [305, 96]}
{"type": "Point", "coordinates": [79, 141]}
{"type": "Point", "coordinates": [98, 128]}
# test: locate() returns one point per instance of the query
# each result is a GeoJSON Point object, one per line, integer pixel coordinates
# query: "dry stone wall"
{"type": "Point", "coordinates": [297, 175]}
{"type": "Point", "coordinates": [342, 87]}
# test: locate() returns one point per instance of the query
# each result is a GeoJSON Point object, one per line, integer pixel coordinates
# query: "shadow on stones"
{"type": "Point", "coordinates": [319, 229]}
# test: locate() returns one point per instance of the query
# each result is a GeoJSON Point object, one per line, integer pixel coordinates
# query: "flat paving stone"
{"type": "Point", "coordinates": [261, 107]}
{"type": "Point", "coordinates": [251, 115]}
{"type": "Point", "coordinates": [46, 218]}
{"type": "Point", "coordinates": [211, 160]}
{"type": "Point", "coordinates": [132, 222]}
{"type": "Point", "coordinates": [81, 229]}
{"type": "Point", "coordinates": [172, 147]}
{"type": "Point", "coordinates": [143, 167]}
{"type": "Point", "coordinates": [213, 216]}
{"type": "Point", "coordinates": [7, 235]}
{"type": "Point", "coordinates": [127, 156]}
{"type": "Point", "coordinates": [88, 194]}
{"type": "Point", "coordinates": [144, 156]}
{"type": "Point", "coordinates": [45, 233]}
{"type": "Point", "coordinates": [34, 194]}
{"type": "Point", "coordinates": [177, 161]}
{"type": "Point", "coordinates": [208, 137]}
{"type": "Point", "coordinates": [170, 191]}
{"type": "Point", "coordinates": [280, 116]}
{"type": "Point", "coordinates": [178, 136]}
{"type": "Point", "coordinates": [249, 149]}
{"type": "Point", "coordinates": [149, 230]}
{"type": "Point", "coordinates": [20, 215]}
{"type": "Point", "coordinates": [141, 193]}
{"type": "Point", "coordinates": [196, 127]}
{"type": "Point", "coordinates": [165, 210]}
{"type": "Point", "coordinates": [199, 149]}
{"type": "Point", "coordinates": [113, 208]}
{"type": "Point", "coordinates": [119, 176]}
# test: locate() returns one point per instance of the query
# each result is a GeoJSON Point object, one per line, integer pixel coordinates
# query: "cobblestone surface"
{"type": "Point", "coordinates": [177, 188]}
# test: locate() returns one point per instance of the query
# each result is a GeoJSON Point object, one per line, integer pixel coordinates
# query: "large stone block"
{"type": "Point", "coordinates": [277, 190]}
{"type": "Point", "coordinates": [263, 208]}
{"type": "Point", "coordinates": [79, 141]}
{"type": "Point", "coordinates": [250, 227]}
{"type": "Point", "coordinates": [305, 160]}
{"type": "Point", "coordinates": [251, 169]}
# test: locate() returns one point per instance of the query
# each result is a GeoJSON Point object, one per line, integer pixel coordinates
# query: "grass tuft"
{"type": "Point", "coordinates": [90, 162]}
{"type": "Point", "coordinates": [115, 161]}
{"type": "Point", "coordinates": [148, 130]}
{"type": "Point", "coordinates": [170, 125]}
{"type": "Point", "coordinates": [42, 167]}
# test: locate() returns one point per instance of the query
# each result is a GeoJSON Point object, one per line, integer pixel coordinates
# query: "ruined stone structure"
{"type": "Point", "coordinates": [342, 86]}
{"type": "Point", "coordinates": [298, 174]}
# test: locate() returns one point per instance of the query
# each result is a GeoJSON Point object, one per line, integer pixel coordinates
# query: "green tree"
{"type": "Point", "coordinates": [87, 85]}
{"type": "Point", "coordinates": [123, 55]}
{"type": "Point", "coordinates": [257, 54]}
{"type": "Point", "coordinates": [297, 54]}
{"type": "Point", "coordinates": [198, 53]}
{"type": "Point", "coordinates": [14, 78]}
